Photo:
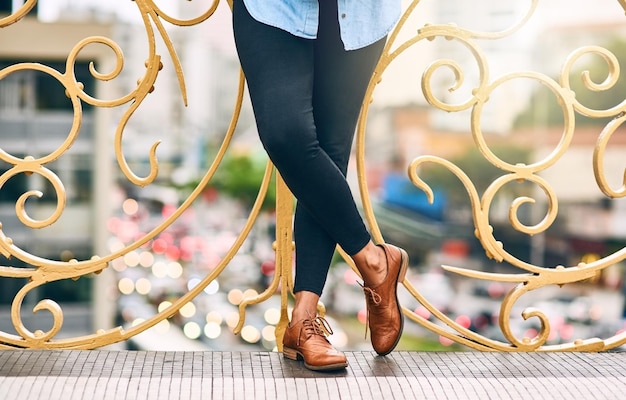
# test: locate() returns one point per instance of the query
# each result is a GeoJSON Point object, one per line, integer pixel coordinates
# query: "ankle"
{"type": "Point", "coordinates": [305, 306]}
{"type": "Point", "coordinates": [301, 316]}
{"type": "Point", "coordinates": [372, 264]}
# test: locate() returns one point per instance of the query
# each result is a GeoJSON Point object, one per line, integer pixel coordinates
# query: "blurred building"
{"type": "Point", "coordinates": [36, 119]}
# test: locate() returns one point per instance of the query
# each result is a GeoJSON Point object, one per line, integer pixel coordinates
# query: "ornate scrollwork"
{"type": "Point", "coordinates": [536, 276]}
{"type": "Point", "coordinates": [42, 271]}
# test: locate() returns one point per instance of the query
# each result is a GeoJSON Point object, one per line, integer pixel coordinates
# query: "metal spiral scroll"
{"type": "Point", "coordinates": [534, 277]}
{"type": "Point", "coordinates": [42, 271]}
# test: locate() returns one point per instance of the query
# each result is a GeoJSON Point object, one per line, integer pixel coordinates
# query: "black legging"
{"type": "Point", "coordinates": [306, 95]}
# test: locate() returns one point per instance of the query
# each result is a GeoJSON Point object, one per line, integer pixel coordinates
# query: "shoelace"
{"type": "Point", "coordinates": [376, 299]}
{"type": "Point", "coordinates": [316, 326]}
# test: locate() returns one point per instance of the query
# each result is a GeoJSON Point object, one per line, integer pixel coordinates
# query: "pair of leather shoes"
{"type": "Point", "coordinates": [384, 315]}
{"type": "Point", "coordinates": [306, 340]}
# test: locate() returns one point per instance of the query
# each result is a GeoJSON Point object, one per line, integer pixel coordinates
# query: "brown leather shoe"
{"type": "Point", "coordinates": [306, 340]}
{"type": "Point", "coordinates": [384, 314]}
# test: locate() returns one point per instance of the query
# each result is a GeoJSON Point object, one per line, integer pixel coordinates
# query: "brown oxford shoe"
{"type": "Point", "coordinates": [384, 315]}
{"type": "Point", "coordinates": [306, 340]}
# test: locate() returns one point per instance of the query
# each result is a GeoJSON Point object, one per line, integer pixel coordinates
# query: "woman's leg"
{"type": "Point", "coordinates": [340, 81]}
{"type": "Point", "coordinates": [279, 69]}
{"type": "Point", "coordinates": [281, 74]}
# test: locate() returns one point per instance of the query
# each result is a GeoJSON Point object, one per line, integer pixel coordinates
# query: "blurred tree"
{"type": "Point", "coordinates": [240, 177]}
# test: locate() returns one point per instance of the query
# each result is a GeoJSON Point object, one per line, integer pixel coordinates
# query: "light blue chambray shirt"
{"type": "Point", "coordinates": [361, 22]}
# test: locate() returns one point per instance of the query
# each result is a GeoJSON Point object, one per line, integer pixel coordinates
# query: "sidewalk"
{"type": "Point", "coordinates": [104, 374]}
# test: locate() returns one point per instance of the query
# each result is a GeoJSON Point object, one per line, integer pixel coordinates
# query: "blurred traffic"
{"type": "Point", "coordinates": [154, 277]}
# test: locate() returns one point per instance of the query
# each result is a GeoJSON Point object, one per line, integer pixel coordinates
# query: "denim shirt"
{"type": "Point", "coordinates": [361, 22]}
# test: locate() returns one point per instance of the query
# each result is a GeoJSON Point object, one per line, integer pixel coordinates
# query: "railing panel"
{"type": "Point", "coordinates": [478, 86]}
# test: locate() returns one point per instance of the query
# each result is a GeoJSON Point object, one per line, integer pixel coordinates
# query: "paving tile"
{"type": "Point", "coordinates": [100, 374]}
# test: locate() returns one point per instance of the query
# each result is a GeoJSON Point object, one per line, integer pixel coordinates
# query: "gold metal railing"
{"type": "Point", "coordinates": [43, 271]}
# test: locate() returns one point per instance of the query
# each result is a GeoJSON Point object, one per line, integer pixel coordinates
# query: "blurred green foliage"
{"type": "Point", "coordinates": [240, 176]}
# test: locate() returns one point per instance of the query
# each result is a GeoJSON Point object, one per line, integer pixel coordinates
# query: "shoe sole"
{"type": "Point", "coordinates": [295, 355]}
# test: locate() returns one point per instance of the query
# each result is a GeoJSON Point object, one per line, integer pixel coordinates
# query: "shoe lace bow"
{"type": "Point", "coordinates": [316, 326]}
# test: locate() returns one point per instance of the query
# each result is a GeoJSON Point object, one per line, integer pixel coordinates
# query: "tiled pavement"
{"type": "Point", "coordinates": [105, 374]}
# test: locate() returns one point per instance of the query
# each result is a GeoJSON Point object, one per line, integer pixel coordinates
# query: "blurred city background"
{"type": "Point", "coordinates": [522, 122]}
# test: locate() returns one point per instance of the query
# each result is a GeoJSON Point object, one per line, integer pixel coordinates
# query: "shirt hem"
{"type": "Point", "coordinates": [365, 44]}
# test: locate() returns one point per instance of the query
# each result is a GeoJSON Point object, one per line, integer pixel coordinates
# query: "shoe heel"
{"type": "Point", "coordinates": [290, 353]}
{"type": "Point", "coordinates": [404, 265]}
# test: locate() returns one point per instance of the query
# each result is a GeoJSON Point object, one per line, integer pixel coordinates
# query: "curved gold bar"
{"type": "Point", "coordinates": [41, 271]}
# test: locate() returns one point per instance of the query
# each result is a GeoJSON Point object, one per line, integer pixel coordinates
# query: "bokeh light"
{"type": "Point", "coordinates": [250, 334]}
{"type": "Point", "coordinates": [126, 285]}
{"type": "Point", "coordinates": [423, 312]}
{"type": "Point", "coordinates": [159, 246]}
{"type": "Point", "coordinates": [188, 310]}
{"type": "Point", "coordinates": [164, 305]}
{"type": "Point", "coordinates": [174, 270]}
{"type": "Point", "coordinates": [192, 330]}
{"type": "Point", "coordinates": [130, 206]}
{"type": "Point", "coordinates": [119, 265]}
{"type": "Point", "coordinates": [138, 321]}
{"type": "Point", "coordinates": [143, 286]}
{"type": "Point", "coordinates": [192, 283]}
{"type": "Point", "coordinates": [214, 316]}
{"type": "Point", "coordinates": [235, 296]}
{"type": "Point", "coordinates": [464, 321]}
{"type": "Point", "coordinates": [362, 316]}
{"type": "Point", "coordinates": [146, 259]}
{"type": "Point", "coordinates": [269, 333]}
{"type": "Point", "coordinates": [159, 269]}
{"type": "Point", "coordinates": [232, 319]}
{"type": "Point", "coordinates": [272, 316]}
{"type": "Point", "coordinates": [212, 330]}
{"type": "Point", "coordinates": [212, 287]}
{"type": "Point", "coordinates": [250, 294]}
{"type": "Point", "coordinates": [445, 341]}
{"type": "Point", "coordinates": [131, 259]}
